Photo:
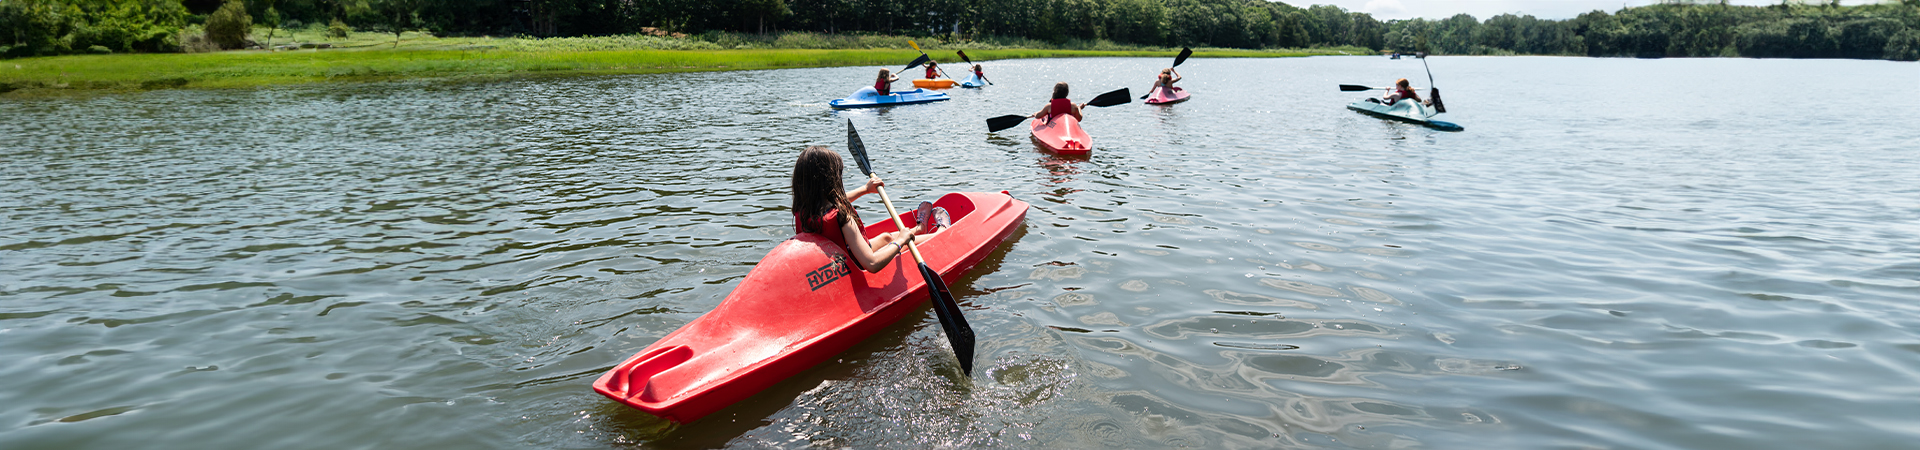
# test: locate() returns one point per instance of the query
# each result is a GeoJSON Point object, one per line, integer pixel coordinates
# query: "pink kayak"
{"type": "Point", "coordinates": [800, 305]}
{"type": "Point", "coordinates": [1062, 134]}
{"type": "Point", "coordinates": [1163, 96]}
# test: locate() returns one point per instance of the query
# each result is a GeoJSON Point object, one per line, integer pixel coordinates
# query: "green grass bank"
{"type": "Point", "coordinates": [368, 57]}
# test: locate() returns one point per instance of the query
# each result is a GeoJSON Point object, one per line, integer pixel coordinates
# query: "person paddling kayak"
{"type": "Point", "coordinates": [822, 206]}
{"type": "Point", "coordinates": [978, 73]}
{"type": "Point", "coordinates": [1401, 91]}
{"type": "Point", "coordinates": [1167, 78]}
{"type": "Point", "coordinates": [1060, 105]}
{"type": "Point", "coordinates": [884, 84]}
{"type": "Point", "coordinates": [933, 70]}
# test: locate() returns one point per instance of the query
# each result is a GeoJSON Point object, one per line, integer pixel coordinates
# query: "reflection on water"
{"type": "Point", "coordinates": [342, 266]}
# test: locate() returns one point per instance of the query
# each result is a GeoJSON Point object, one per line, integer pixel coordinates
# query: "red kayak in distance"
{"type": "Point", "coordinates": [1162, 96]}
{"type": "Point", "coordinates": [1062, 134]}
{"type": "Point", "coordinates": [803, 303]}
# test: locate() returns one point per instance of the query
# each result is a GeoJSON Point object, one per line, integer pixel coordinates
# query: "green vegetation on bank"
{"type": "Point", "coordinates": [421, 56]}
{"type": "Point", "coordinates": [181, 42]}
{"type": "Point", "coordinates": [1889, 30]}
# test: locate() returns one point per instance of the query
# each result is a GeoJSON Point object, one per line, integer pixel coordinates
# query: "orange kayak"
{"type": "Point", "coordinates": [936, 83]}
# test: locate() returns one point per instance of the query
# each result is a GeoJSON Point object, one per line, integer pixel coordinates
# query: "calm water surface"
{"type": "Point", "coordinates": [1717, 253]}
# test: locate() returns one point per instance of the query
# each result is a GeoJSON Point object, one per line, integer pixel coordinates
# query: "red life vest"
{"type": "Point", "coordinates": [1405, 93]}
{"type": "Point", "coordinates": [829, 227]}
{"type": "Point", "coordinates": [1059, 106]}
{"type": "Point", "coordinates": [930, 71]}
{"type": "Point", "coordinates": [882, 87]}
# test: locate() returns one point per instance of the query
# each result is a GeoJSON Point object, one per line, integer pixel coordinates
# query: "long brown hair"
{"type": "Point", "coordinates": [817, 189]}
{"type": "Point", "coordinates": [1060, 90]}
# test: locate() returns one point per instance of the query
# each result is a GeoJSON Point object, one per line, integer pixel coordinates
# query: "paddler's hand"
{"type": "Point", "coordinates": [873, 182]}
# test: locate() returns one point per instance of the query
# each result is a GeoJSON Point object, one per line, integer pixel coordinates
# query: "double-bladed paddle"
{"type": "Point", "coordinates": [958, 332]}
{"type": "Point", "coordinates": [963, 57]}
{"type": "Point", "coordinates": [1433, 91]}
{"type": "Point", "coordinates": [917, 62]}
{"type": "Point", "coordinates": [925, 58]}
{"type": "Point", "coordinates": [1356, 88]}
{"type": "Point", "coordinates": [1182, 57]}
{"type": "Point", "coordinates": [1119, 97]}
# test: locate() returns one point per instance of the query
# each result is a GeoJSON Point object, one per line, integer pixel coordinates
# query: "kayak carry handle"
{"type": "Point", "coordinates": [638, 377]}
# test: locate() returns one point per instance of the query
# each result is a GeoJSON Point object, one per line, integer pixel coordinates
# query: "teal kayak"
{"type": "Point", "coordinates": [973, 81]}
{"type": "Point", "coordinates": [867, 98]}
{"type": "Point", "coordinates": [1408, 111]}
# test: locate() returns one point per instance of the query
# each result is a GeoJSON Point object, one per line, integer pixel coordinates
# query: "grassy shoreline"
{"type": "Point", "coordinates": [461, 59]}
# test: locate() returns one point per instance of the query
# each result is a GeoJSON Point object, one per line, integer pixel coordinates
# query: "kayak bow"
{"type": "Point", "coordinates": [800, 305]}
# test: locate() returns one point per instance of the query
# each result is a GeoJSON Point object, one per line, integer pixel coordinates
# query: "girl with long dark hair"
{"type": "Point", "coordinates": [821, 205]}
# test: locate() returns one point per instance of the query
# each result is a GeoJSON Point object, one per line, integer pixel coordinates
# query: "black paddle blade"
{"type": "Point", "coordinates": [1434, 94]}
{"type": "Point", "coordinates": [1004, 122]}
{"type": "Point", "coordinates": [1353, 88]}
{"type": "Point", "coordinates": [963, 57]}
{"type": "Point", "coordinates": [917, 62]}
{"type": "Point", "coordinates": [958, 332]}
{"type": "Point", "coordinates": [1120, 97]}
{"type": "Point", "coordinates": [1184, 53]}
{"type": "Point", "coordinates": [858, 149]}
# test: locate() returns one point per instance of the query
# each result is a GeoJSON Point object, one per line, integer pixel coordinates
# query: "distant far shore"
{"type": "Point", "coordinates": [457, 59]}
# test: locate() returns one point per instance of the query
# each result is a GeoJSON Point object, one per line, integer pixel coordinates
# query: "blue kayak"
{"type": "Point", "coordinates": [866, 97]}
{"type": "Point", "coordinates": [973, 81]}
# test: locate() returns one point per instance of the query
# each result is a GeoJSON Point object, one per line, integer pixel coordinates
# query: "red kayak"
{"type": "Point", "coordinates": [1163, 96]}
{"type": "Point", "coordinates": [802, 304]}
{"type": "Point", "coordinates": [1062, 134]}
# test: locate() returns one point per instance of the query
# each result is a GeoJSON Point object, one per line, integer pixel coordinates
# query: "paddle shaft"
{"type": "Point", "coordinates": [902, 225]}
{"type": "Point", "coordinates": [1423, 64]}
{"type": "Point", "coordinates": [913, 249]}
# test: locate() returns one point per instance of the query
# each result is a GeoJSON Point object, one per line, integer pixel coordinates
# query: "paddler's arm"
{"type": "Point", "coordinates": [870, 258]}
{"type": "Point", "coordinates": [873, 182]}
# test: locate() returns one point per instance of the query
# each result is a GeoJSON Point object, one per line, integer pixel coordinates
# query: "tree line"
{"type": "Point", "coordinates": [1682, 29]}
{"type": "Point", "coordinates": [1676, 29]}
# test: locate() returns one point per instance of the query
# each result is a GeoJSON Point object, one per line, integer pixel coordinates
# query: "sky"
{"type": "Point", "coordinates": [1482, 9]}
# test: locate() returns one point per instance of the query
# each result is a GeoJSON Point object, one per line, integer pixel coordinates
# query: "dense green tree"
{"type": "Point", "coordinates": [229, 25]}
{"type": "Point", "coordinates": [1904, 46]}
{"type": "Point", "coordinates": [1867, 38]}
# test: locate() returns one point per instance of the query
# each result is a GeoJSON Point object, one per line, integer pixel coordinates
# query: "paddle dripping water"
{"type": "Point", "coordinates": [1674, 264]}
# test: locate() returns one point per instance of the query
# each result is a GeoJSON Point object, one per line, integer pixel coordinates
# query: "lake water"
{"type": "Point", "coordinates": [1616, 253]}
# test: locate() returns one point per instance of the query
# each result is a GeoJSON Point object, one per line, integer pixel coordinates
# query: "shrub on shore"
{"type": "Point", "coordinates": [229, 25]}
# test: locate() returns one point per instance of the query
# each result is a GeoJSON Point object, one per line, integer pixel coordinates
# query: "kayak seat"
{"type": "Point", "coordinates": [957, 206]}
